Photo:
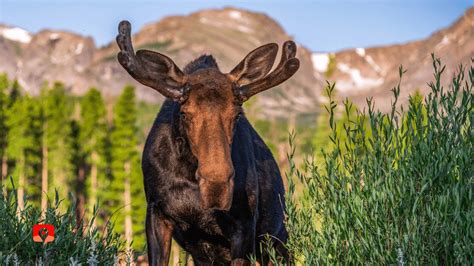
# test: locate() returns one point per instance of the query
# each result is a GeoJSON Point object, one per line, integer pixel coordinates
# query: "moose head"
{"type": "Point", "coordinates": [210, 103]}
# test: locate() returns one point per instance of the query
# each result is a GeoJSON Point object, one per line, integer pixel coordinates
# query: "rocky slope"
{"type": "Point", "coordinates": [229, 34]}
{"type": "Point", "coordinates": [372, 72]}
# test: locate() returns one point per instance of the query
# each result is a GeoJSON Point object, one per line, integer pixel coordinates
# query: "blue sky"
{"type": "Point", "coordinates": [320, 25]}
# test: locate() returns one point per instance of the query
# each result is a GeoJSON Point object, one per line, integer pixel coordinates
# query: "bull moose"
{"type": "Point", "coordinates": [210, 181]}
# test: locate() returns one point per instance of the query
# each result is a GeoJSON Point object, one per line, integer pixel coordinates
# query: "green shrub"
{"type": "Point", "coordinates": [396, 189]}
{"type": "Point", "coordinates": [75, 243]}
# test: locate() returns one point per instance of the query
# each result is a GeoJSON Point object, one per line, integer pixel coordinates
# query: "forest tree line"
{"type": "Point", "coordinates": [90, 153]}
{"type": "Point", "coordinates": [54, 142]}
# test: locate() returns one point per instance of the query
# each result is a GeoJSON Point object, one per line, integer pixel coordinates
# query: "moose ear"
{"type": "Point", "coordinates": [256, 64]}
{"type": "Point", "coordinates": [160, 64]}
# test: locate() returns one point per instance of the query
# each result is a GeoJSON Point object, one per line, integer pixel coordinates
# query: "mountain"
{"type": "Point", "coordinates": [371, 72]}
{"type": "Point", "coordinates": [228, 34]}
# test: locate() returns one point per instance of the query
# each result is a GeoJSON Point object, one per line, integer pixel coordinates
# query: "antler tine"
{"type": "Point", "coordinates": [288, 51]}
{"type": "Point", "coordinates": [147, 67]}
{"type": "Point", "coordinates": [124, 39]}
{"type": "Point", "coordinates": [126, 56]}
{"type": "Point", "coordinates": [286, 68]}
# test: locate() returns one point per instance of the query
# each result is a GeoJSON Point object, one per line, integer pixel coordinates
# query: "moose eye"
{"type": "Point", "coordinates": [182, 115]}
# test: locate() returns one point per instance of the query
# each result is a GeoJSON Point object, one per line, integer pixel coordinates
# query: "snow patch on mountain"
{"type": "Point", "coordinates": [357, 80]}
{"type": "Point", "coordinates": [79, 48]}
{"type": "Point", "coordinates": [235, 14]}
{"type": "Point", "coordinates": [244, 29]}
{"type": "Point", "coordinates": [54, 36]}
{"type": "Point", "coordinates": [374, 65]}
{"type": "Point", "coordinates": [445, 41]}
{"type": "Point", "coordinates": [16, 34]}
{"type": "Point", "coordinates": [320, 61]}
{"type": "Point", "coordinates": [360, 51]}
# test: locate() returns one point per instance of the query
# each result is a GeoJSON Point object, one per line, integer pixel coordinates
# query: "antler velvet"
{"type": "Point", "coordinates": [286, 68]}
{"type": "Point", "coordinates": [150, 68]}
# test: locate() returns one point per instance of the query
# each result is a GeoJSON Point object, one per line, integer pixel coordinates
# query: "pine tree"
{"type": "Point", "coordinates": [23, 143]}
{"type": "Point", "coordinates": [13, 96]}
{"type": "Point", "coordinates": [15, 93]}
{"type": "Point", "coordinates": [138, 210]}
{"type": "Point", "coordinates": [56, 145]}
{"type": "Point", "coordinates": [126, 182]}
{"type": "Point", "coordinates": [78, 185]}
{"type": "Point", "coordinates": [92, 137]}
{"type": "Point", "coordinates": [3, 126]}
{"type": "Point", "coordinates": [33, 155]}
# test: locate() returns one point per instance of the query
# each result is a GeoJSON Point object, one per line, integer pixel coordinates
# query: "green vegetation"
{"type": "Point", "coordinates": [126, 171]}
{"type": "Point", "coordinates": [57, 165]}
{"type": "Point", "coordinates": [373, 188]}
{"type": "Point", "coordinates": [331, 66]}
{"type": "Point", "coordinates": [23, 145]}
{"type": "Point", "coordinates": [55, 143]}
{"type": "Point", "coordinates": [396, 189]}
{"type": "Point", "coordinates": [4, 102]}
{"type": "Point", "coordinates": [75, 243]}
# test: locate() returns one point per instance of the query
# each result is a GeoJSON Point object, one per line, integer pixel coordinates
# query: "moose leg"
{"type": "Point", "coordinates": [243, 245]}
{"type": "Point", "coordinates": [158, 236]}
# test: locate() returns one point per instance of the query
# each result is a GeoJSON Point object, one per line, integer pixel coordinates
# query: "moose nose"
{"type": "Point", "coordinates": [216, 194]}
{"type": "Point", "coordinates": [223, 176]}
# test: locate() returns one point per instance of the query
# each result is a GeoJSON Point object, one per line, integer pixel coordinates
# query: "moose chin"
{"type": "Point", "coordinates": [211, 183]}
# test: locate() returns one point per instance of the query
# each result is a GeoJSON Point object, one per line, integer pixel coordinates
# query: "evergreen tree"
{"type": "Point", "coordinates": [13, 96]}
{"type": "Point", "coordinates": [23, 146]}
{"type": "Point", "coordinates": [125, 189]}
{"type": "Point", "coordinates": [92, 137]}
{"type": "Point", "coordinates": [56, 145]}
{"type": "Point", "coordinates": [78, 185]}
{"type": "Point", "coordinates": [15, 93]}
{"type": "Point", "coordinates": [33, 156]}
{"type": "Point", "coordinates": [3, 126]}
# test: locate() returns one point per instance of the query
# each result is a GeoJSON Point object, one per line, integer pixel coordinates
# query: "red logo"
{"type": "Point", "coordinates": [43, 233]}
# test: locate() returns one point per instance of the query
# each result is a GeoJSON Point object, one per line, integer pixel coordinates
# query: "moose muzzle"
{"type": "Point", "coordinates": [215, 194]}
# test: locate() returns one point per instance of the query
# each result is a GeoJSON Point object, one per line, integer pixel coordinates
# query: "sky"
{"type": "Point", "coordinates": [322, 26]}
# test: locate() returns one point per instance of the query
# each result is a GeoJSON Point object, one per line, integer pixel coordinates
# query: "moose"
{"type": "Point", "coordinates": [210, 181]}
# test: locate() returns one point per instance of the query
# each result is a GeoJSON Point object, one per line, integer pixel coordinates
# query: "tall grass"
{"type": "Point", "coordinates": [75, 243]}
{"type": "Point", "coordinates": [396, 189]}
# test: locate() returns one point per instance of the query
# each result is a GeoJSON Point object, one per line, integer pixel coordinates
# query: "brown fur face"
{"type": "Point", "coordinates": [210, 102]}
{"type": "Point", "coordinates": [209, 115]}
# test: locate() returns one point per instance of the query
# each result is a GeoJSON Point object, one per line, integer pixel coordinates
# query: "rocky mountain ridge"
{"type": "Point", "coordinates": [228, 34]}
{"type": "Point", "coordinates": [371, 72]}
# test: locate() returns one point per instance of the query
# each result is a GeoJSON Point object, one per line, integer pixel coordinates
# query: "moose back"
{"type": "Point", "coordinates": [211, 183]}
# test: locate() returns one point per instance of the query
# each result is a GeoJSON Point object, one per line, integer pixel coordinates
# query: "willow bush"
{"type": "Point", "coordinates": [396, 189]}
{"type": "Point", "coordinates": [75, 243]}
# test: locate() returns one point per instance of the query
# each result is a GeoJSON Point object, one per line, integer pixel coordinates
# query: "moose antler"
{"type": "Point", "coordinates": [286, 68]}
{"type": "Point", "coordinates": [150, 68]}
